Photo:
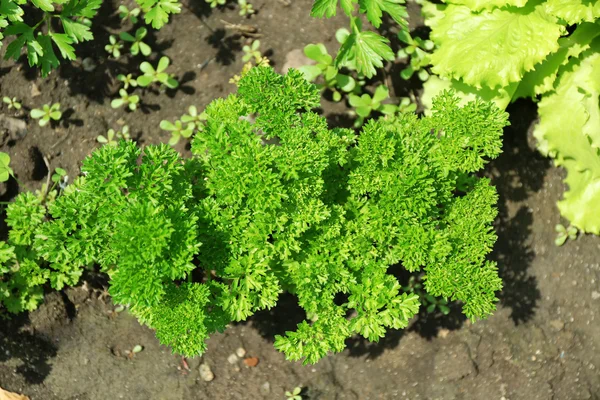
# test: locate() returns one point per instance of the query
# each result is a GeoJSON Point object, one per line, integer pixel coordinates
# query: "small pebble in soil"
{"type": "Point", "coordinates": [241, 352]}
{"type": "Point", "coordinates": [206, 373]}
{"type": "Point", "coordinates": [251, 361]}
{"type": "Point", "coordinates": [232, 359]}
{"type": "Point", "coordinates": [557, 325]}
{"type": "Point", "coordinates": [595, 295]}
{"type": "Point", "coordinates": [265, 388]}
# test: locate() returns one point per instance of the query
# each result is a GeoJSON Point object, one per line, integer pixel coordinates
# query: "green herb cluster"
{"type": "Point", "coordinates": [73, 21]}
{"type": "Point", "coordinates": [274, 201]}
{"type": "Point", "coordinates": [504, 50]}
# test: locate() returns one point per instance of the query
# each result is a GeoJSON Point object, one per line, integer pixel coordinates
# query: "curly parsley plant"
{"type": "Point", "coordinates": [275, 201]}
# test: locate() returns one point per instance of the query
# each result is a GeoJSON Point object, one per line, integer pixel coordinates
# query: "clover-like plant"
{"type": "Point", "coordinates": [366, 104]}
{"type": "Point", "coordinates": [333, 79]}
{"type": "Point", "coordinates": [12, 102]}
{"type": "Point", "coordinates": [564, 233]}
{"type": "Point", "coordinates": [417, 50]}
{"type": "Point", "coordinates": [5, 169]}
{"type": "Point", "coordinates": [113, 47]}
{"type": "Point", "coordinates": [151, 75]}
{"type": "Point", "coordinates": [215, 3]}
{"type": "Point", "coordinates": [127, 14]}
{"type": "Point", "coordinates": [246, 8]}
{"type": "Point", "coordinates": [252, 51]}
{"type": "Point", "coordinates": [137, 44]}
{"type": "Point", "coordinates": [294, 394]}
{"type": "Point", "coordinates": [128, 80]}
{"type": "Point", "coordinates": [47, 113]}
{"type": "Point", "coordinates": [112, 137]}
{"type": "Point", "coordinates": [194, 119]}
{"type": "Point", "coordinates": [177, 129]}
{"type": "Point", "coordinates": [131, 101]}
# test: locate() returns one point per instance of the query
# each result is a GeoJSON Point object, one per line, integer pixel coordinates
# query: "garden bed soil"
{"type": "Point", "coordinates": [542, 343]}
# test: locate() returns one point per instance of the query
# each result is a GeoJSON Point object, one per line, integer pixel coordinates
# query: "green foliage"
{"type": "Point", "coordinates": [364, 49]}
{"type": "Point", "coordinates": [564, 233]}
{"type": "Point", "coordinates": [274, 201]}
{"type": "Point", "coordinates": [113, 47]}
{"type": "Point", "coordinates": [333, 79]}
{"type": "Point", "coordinates": [252, 51]}
{"type": "Point", "coordinates": [177, 130]}
{"type": "Point", "coordinates": [504, 50]}
{"type": "Point", "coordinates": [294, 394]}
{"type": "Point", "coordinates": [41, 44]}
{"type": "Point", "coordinates": [23, 270]}
{"type": "Point", "coordinates": [131, 101]}
{"type": "Point", "coordinates": [128, 80]}
{"type": "Point", "coordinates": [47, 113]}
{"type": "Point", "coordinates": [127, 14]}
{"type": "Point", "coordinates": [246, 8]}
{"type": "Point", "coordinates": [366, 104]}
{"type": "Point", "coordinates": [137, 44]}
{"type": "Point", "coordinates": [12, 103]}
{"type": "Point", "coordinates": [73, 19]}
{"type": "Point", "coordinates": [5, 170]}
{"type": "Point", "coordinates": [112, 137]}
{"type": "Point", "coordinates": [215, 3]}
{"type": "Point", "coordinates": [417, 50]}
{"type": "Point", "coordinates": [151, 75]}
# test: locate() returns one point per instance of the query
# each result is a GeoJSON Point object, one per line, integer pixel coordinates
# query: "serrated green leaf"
{"type": "Point", "coordinates": [45, 5]}
{"type": "Point", "coordinates": [576, 144]}
{"type": "Point", "coordinates": [493, 48]}
{"type": "Point", "coordinates": [77, 31]}
{"type": "Point", "coordinates": [63, 42]}
{"type": "Point", "coordinates": [478, 5]}
{"type": "Point", "coordinates": [375, 8]}
{"type": "Point", "coordinates": [574, 11]}
{"type": "Point", "coordinates": [367, 49]}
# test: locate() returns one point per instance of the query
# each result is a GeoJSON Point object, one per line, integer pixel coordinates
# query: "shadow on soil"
{"type": "Point", "coordinates": [34, 351]}
{"type": "Point", "coordinates": [518, 173]}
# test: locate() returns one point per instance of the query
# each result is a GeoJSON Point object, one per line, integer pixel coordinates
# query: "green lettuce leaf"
{"type": "Point", "coordinates": [569, 130]}
{"type": "Point", "coordinates": [493, 48]}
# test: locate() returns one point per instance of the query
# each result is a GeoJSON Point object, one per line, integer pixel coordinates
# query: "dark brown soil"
{"type": "Point", "coordinates": [542, 343]}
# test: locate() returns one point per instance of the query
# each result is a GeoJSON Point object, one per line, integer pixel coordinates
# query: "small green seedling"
{"type": "Point", "coordinates": [252, 51]}
{"type": "Point", "coordinates": [214, 3]}
{"type": "Point", "coordinates": [125, 13]}
{"type": "Point", "coordinates": [128, 80]}
{"type": "Point", "coordinates": [177, 129]}
{"type": "Point", "coordinates": [294, 394]}
{"type": "Point", "coordinates": [114, 47]}
{"type": "Point", "coordinates": [137, 44]}
{"type": "Point", "coordinates": [564, 234]}
{"type": "Point", "coordinates": [131, 353]}
{"type": "Point", "coordinates": [325, 66]}
{"type": "Point", "coordinates": [366, 104]}
{"type": "Point", "coordinates": [47, 113]}
{"type": "Point", "coordinates": [131, 101]}
{"type": "Point", "coordinates": [156, 75]}
{"type": "Point", "coordinates": [12, 103]}
{"type": "Point", "coordinates": [245, 7]}
{"type": "Point", "coordinates": [407, 105]}
{"type": "Point", "coordinates": [58, 175]}
{"type": "Point", "coordinates": [111, 138]}
{"type": "Point", "coordinates": [193, 119]}
{"type": "Point", "coordinates": [433, 302]}
{"type": "Point", "coordinates": [416, 48]}
{"type": "Point", "coordinates": [5, 169]}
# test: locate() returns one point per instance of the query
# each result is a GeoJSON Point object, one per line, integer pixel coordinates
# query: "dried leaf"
{"type": "Point", "coordinates": [4, 395]}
